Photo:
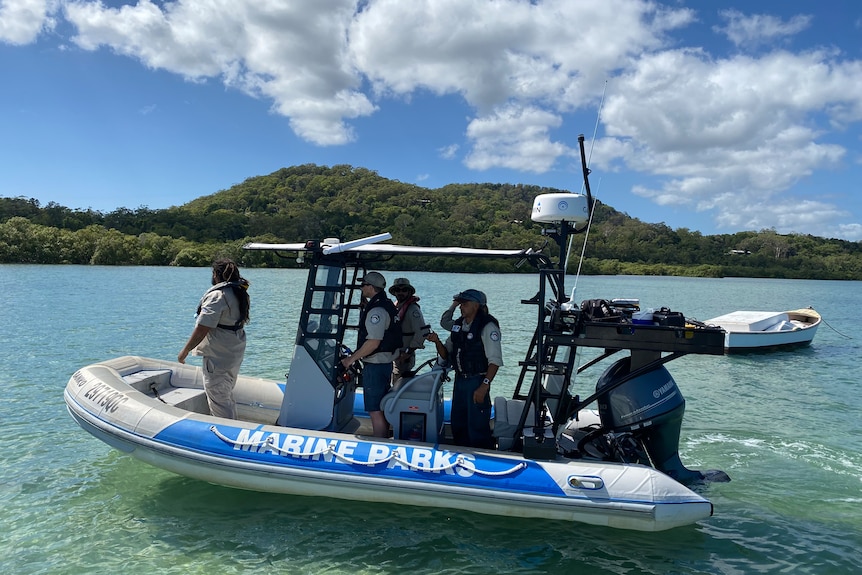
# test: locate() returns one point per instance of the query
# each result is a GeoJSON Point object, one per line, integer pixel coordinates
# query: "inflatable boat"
{"type": "Point", "coordinates": [604, 456]}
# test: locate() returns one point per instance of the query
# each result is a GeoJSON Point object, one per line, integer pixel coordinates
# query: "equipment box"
{"type": "Point", "coordinates": [669, 318]}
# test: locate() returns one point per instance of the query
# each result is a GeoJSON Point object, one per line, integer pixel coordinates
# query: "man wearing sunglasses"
{"type": "Point", "coordinates": [413, 327]}
{"type": "Point", "coordinates": [377, 346]}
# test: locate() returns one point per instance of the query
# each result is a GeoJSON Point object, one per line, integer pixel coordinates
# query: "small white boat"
{"type": "Point", "coordinates": [556, 457]}
{"type": "Point", "coordinates": [767, 330]}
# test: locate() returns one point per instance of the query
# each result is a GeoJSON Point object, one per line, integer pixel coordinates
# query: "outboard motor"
{"type": "Point", "coordinates": [650, 407]}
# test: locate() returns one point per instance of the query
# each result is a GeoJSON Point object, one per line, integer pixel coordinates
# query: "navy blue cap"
{"type": "Point", "coordinates": [471, 295]}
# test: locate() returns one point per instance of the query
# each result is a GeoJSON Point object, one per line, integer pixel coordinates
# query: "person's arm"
{"type": "Point", "coordinates": [197, 336]}
{"type": "Point", "coordinates": [446, 321]}
{"type": "Point", "coordinates": [491, 341]}
{"type": "Point", "coordinates": [367, 349]}
{"type": "Point", "coordinates": [375, 333]}
{"type": "Point", "coordinates": [441, 348]}
{"type": "Point", "coordinates": [485, 388]}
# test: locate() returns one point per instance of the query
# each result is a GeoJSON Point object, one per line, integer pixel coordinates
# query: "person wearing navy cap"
{"type": "Point", "coordinates": [475, 351]}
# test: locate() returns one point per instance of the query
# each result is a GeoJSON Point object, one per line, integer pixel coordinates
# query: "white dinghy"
{"type": "Point", "coordinates": [767, 330]}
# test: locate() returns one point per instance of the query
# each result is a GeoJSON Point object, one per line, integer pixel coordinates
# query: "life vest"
{"type": "Point", "coordinates": [402, 311]}
{"type": "Point", "coordinates": [407, 336]}
{"type": "Point", "coordinates": [392, 336]}
{"type": "Point", "coordinates": [223, 286]}
{"type": "Point", "coordinates": [467, 347]}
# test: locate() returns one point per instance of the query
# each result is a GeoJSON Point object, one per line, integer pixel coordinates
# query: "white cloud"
{"type": "Point", "coordinates": [293, 54]}
{"type": "Point", "coordinates": [21, 21]}
{"type": "Point", "coordinates": [492, 52]}
{"type": "Point", "coordinates": [730, 135]}
{"type": "Point", "coordinates": [759, 29]}
{"type": "Point", "coordinates": [310, 59]}
{"type": "Point", "coordinates": [516, 138]}
{"type": "Point", "coordinates": [448, 152]}
{"type": "Point", "coordinates": [793, 215]}
{"type": "Point", "coordinates": [714, 134]}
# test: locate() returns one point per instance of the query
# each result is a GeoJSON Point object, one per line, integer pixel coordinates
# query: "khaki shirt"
{"type": "Point", "coordinates": [220, 306]}
{"type": "Point", "coordinates": [376, 323]}
{"type": "Point", "coordinates": [411, 327]}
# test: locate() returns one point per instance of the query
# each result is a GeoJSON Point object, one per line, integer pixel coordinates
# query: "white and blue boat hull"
{"type": "Point", "coordinates": [108, 401]}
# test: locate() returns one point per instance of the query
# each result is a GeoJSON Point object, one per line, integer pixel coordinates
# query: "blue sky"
{"type": "Point", "coordinates": [715, 116]}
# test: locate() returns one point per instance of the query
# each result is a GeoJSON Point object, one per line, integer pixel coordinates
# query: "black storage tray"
{"type": "Point", "coordinates": [646, 337]}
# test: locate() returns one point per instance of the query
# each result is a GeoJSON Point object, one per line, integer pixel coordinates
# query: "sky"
{"type": "Point", "coordinates": [718, 117]}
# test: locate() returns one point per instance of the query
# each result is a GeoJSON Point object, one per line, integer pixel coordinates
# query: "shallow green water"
{"type": "Point", "coordinates": [785, 426]}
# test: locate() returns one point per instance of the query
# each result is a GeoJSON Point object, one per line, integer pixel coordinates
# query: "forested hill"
{"type": "Point", "coordinates": [310, 201]}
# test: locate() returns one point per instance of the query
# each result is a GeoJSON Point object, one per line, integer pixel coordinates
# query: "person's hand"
{"type": "Point", "coordinates": [433, 337]}
{"type": "Point", "coordinates": [182, 356]}
{"type": "Point", "coordinates": [480, 393]}
{"type": "Point", "coordinates": [347, 362]}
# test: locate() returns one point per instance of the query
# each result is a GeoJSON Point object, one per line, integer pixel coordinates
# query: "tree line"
{"type": "Point", "coordinates": [315, 202]}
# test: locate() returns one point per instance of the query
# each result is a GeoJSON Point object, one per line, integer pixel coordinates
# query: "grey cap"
{"type": "Point", "coordinates": [375, 279]}
{"type": "Point", "coordinates": [471, 295]}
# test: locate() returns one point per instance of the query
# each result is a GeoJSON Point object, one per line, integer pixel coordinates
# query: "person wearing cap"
{"type": "Point", "coordinates": [475, 352]}
{"type": "Point", "coordinates": [377, 346]}
{"type": "Point", "coordinates": [413, 326]}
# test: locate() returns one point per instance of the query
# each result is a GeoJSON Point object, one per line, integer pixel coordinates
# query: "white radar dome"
{"type": "Point", "coordinates": [552, 208]}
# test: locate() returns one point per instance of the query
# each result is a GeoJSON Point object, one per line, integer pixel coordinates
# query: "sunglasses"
{"type": "Point", "coordinates": [400, 289]}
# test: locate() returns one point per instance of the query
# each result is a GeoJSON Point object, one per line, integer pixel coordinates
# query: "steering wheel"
{"type": "Point", "coordinates": [342, 374]}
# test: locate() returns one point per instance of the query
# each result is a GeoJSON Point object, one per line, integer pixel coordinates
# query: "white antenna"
{"type": "Point", "coordinates": [584, 247]}
{"type": "Point", "coordinates": [589, 159]}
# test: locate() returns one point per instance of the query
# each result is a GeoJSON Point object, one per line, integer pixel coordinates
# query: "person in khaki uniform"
{"type": "Point", "coordinates": [219, 336]}
{"type": "Point", "coordinates": [475, 351]}
{"type": "Point", "coordinates": [413, 327]}
{"type": "Point", "coordinates": [377, 346]}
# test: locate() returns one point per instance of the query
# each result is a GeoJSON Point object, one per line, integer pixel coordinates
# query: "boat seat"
{"type": "Point", "coordinates": [146, 380]}
{"type": "Point", "coordinates": [188, 398]}
{"type": "Point", "coordinates": [157, 383]}
{"type": "Point", "coordinates": [415, 407]}
{"type": "Point", "coordinates": [507, 415]}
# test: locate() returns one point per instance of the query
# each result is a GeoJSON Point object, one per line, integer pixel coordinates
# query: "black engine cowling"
{"type": "Point", "coordinates": [650, 408]}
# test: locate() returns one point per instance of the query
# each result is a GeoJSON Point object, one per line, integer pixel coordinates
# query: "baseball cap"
{"type": "Point", "coordinates": [471, 295]}
{"type": "Point", "coordinates": [375, 279]}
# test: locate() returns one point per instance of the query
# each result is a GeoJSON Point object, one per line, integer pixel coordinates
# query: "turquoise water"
{"type": "Point", "coordinates": [785, 426]}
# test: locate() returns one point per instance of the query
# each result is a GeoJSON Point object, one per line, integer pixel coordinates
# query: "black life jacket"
{"type": "Point", "coordinates": [467, 347]}
{"type": "Point", "coordinates": [392, 336]}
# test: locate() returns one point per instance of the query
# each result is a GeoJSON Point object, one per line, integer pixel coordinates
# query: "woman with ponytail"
{"type": "Point", "coordinates": [219, 336]}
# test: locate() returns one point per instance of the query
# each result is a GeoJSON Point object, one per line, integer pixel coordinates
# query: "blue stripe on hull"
{"type": "Point", "coordinates": [329, 453]}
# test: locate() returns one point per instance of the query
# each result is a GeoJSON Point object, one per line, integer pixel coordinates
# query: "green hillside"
{"type": "Point", "coordinates": [310, 201]}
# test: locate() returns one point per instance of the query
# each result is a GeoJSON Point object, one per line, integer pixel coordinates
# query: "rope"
{"type": "Point", "coordinates": [517, 467]}
{"type": "Point", "coordinates": [835, 330]}
{"type": "Point", "coordinates": [397, 454]}
{"type": "Point", "coordinates": [460, 461]}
